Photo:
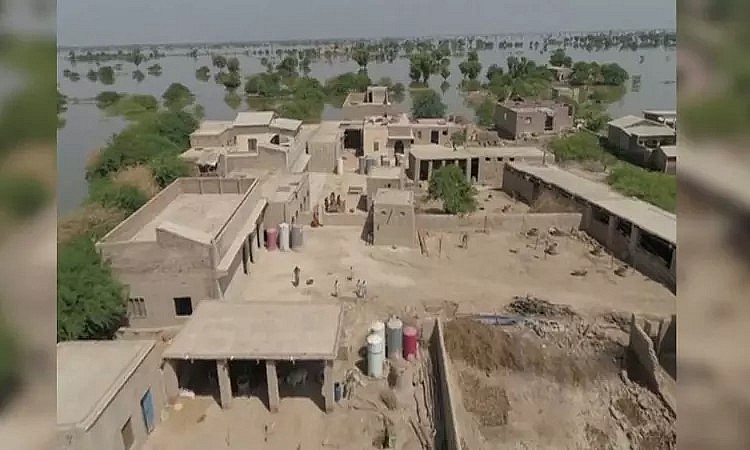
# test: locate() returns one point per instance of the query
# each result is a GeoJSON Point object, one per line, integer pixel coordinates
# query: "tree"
{"type": "Point", "coordinates": [233, 64]}
{"type": "Point", "coordinates": [427, 104]}
{"type": "Point", "coordinates": [558, 58]}
{"type": "Point", "coordinates": [203, 73]}
{"type": "Point", "coordinates": [138, 76]}
{"type": "Point", "coordinates": [177, 96]}
{"type": "Point", "coordinates": [233, 100]}
{"type": "Point", "coordinates": [219, 61]}
{"type": "Point", "coordinates": [90, 302]}
{"type": "Point", "coordinates": [167, 168]}
{"type": "Point", "coordinates": [613, 75]}
{"type": "Point", "coordinates": [361, 56]}
{"type": "Point", "coordinates": [287, 67]}
{"type": "Point", "coordinates": [264, 85]}
{"type": "Point", "coordinates": [458, 138]}
{"type": "Point", "coordinates": [304, 66]}
{"type": "Point", "coordinates": [485, 112]}
{"type": "Point", "coordinates": [106, 99]}
{"type": "Point", "coordinates": [92, 75]}
{"type": "Point", "coordinates": [471, 68]}
{"type": "Point", "coordinates": [230, 80]}
{"type": "Point", "coordinates": [445, 68]}
{"type": "Point", "coordinates": [449, 184]}
{"type": "Point", "coordinates": [106, 75]}
{"type": "Point", "coordinates": [423, 64]}
{"type": "Point", "coordinates": [154, 70]}
{"type": "Point", "coordinates": [493, 71]}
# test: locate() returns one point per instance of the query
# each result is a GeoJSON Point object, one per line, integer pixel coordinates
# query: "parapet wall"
{"type": "Point", "coordinates": [446, 422]}
{"type": "Point", "coordinates": [520, 222]}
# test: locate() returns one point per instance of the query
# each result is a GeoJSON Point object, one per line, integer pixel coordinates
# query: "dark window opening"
{"type": "Point", "coordinates": [275, 140]}
{"type": "Point", "coordinates": [126, 432]}
{"type": "Point", "coordinates": [445, 132]}
{"type": "Point", "coordinates": [500, 159]}
{"type": "Point", "coordinates": [657, 247]}
{"type": "Point", "coordinates": [183, 306]}
{"type": "Point", "coordinates": [136, 307]}
{"type": "Point", "coordinates": [244, 260]}
{"type": "Point", "coordinates": [424, 168]}
{"type": "Point", "coordinates": [475, 168]}
{"type": "Point", "coordinates": [624, 227]}
{"type": "Point", "coordinates": [435, 137]}
{"type": "Point", "coordinates": [549, 123]}
{"type": "Point", "coordinates": [487, 159]}
{"type": "Point", "coordinates": [398, 147]}
{"type": "Point", "coordinates": [511, 159]}
{"type": "Point", "coordinates": [600, 215]}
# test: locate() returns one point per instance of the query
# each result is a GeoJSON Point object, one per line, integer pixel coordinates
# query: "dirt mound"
{"type": "Point", "coordinates": [550, 203]}
{"type": "Point", "coordinates": [490, 403]}
{"type": "Point", "coordinates": [482, 346]}
{"type": "Point", "coordinates": [532, 306]}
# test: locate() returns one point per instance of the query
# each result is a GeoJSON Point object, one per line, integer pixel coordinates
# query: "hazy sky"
{"type": "Point", "coordinates": [106, 22]}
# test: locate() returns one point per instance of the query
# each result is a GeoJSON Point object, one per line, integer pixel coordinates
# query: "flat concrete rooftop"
{"type": "Point", "coordinates": [205, 213]}
{"type": "Point", "coordinates": [89, 375]}
{"type": "Point", "coordinates": [644, 215]}
{"type": "Point", "coordinates": [385, 172]}
{"type": "Point", "coordinates": [279, 331]}
{"type": "Point", "coordinates": [435, 151]}
{"type": "Point", "coordinates": [394, 197]}
{"type": "Point", "coordinates": [520, 152]}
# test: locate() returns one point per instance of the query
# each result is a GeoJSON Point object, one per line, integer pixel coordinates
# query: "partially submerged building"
{"type": "Point", "coordinates": [517, 119]}
{"type": "Point", "coordinates": [634, 231]}
{"type": "Point", "coordinates": [483, 165]}
{"type": "Point", "coordinates": [110, 394]}
{"type": "Point", "coordinates": [393, 218]}
{"type": "Point", "coordinates": [254, 140]}
{"type": "Point", "coordinates": [228, 347]}
{"type": "Point", "coordinates": [375, 101]}
{"type": "Point", "coordinates": [196, 239]}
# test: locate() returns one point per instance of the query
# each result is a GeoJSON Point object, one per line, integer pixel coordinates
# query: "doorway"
{"type": "Point", "coordinates": [353, 141]}
{"type": "Point", "coordinates": [147, 407]}
{"type": "Point", "coordinates": [434, 137]}
{"type": "Point", "coordinates": [398, 148]}
{"type": "Point", "coordinates": [549, 123]}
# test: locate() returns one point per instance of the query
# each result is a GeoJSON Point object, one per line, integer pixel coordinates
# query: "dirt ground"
{"type": "Point", "coordinates": [556, 382]}
{"type": "Point", "coordinates": [405, 283]}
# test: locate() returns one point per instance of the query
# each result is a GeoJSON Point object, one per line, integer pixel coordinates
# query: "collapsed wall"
{"type": "Point", "coordinates": [446, 420]}
{"type": "Point", "coordinates": [643, 365]}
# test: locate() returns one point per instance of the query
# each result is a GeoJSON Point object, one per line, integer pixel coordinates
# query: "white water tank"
{"type": "Point", "coordinates": [284, 237]}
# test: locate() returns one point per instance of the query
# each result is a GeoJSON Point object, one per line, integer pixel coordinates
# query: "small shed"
{"type": "Point", "coordinates": [239, 347]}
{"type": "Point", "coordinates": [664, 159]}
{"type": "Point", "coordinates": [393, 218]}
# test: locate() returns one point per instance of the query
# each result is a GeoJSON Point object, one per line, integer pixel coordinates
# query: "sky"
{"type": "Point", "coordinates": [112, 22]}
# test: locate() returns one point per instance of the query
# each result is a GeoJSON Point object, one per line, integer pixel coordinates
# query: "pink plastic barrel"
{"type": "Point", "coordinates": [272, 238]}
{"type": "Point", "coordinates": [410, 343]}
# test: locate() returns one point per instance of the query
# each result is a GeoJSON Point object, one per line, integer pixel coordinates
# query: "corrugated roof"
{"type": "Point", "coordinates": [644, 215]}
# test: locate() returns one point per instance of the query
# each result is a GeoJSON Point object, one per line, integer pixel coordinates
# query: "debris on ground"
{"type": "Point", "coordinates": [533, 306]}
{"type": "Point", "coordinates": [523, 383]}
{"type": "Point", "coordinates": [579, 273]}
{"type": "Point", "coordinates": [621, 271]}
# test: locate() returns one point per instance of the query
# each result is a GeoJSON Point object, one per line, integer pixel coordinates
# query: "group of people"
{"type": "Point", "coordinates": [333, 203]}
{"type": "Point", "coordinates": [360, 290]}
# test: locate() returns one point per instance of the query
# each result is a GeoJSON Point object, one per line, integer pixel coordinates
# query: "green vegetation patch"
{"type": "Point", "coordinates": [656, 188]}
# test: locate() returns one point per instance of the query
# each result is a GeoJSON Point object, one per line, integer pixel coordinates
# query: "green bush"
{"type": "Point", "coordinates": [581, 146]}
{"type": "Point", "coordinates": [427, 104]}
{"type": "Point", "coordinates": [656, 188]}
{"type": "Point", "coordinates": [90, 302]}
{"type": "Point", "coordinates": [449, 184]}
{"type": "Point", "coordinates": [167, 168]}
{"type": "Point", "coordinates": [177, 96]}
{"type": "Point", "coordinates": [129, 148]}
{"type": "Point", "coordinates": [106, 99]}
{"type": "Point", "coordinates": [113, 195]}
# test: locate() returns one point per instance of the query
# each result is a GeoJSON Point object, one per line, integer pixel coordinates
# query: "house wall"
{"type": "Point", "coordinates": [105, 434]}
{"type": "Point", "coordinates": [128, 228]}
{"type": "Point", "coordinates": [514, 183]}
{"type": "Point", "coordinates": [376, 134]}
{"type": "Point", "coordinates": [422, 133]}
{"type": "Point", "coordinates": [448, 435]}
{"type": "Point", "coordinates": [159, 272]}
{"type": "Point", "coordinates": [373, 184]}
{"type": "Point", "coordinates": [233, 284]}
{"type": "Point", "coordinates": [394, 225]}
{"type": "Point", "coordinates": [270, 159]}
{"type": "Point", "coordinates": [324, 156]}
{"type": "Point", "coordinates": [617, 138]}
{"type": "Point", "coordinates": [361, 111]}
{"type": "Point", "coordinates": [506, 122]}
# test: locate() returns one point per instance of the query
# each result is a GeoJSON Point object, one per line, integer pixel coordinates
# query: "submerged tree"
{"type": "Point", "coordinates": [203, 73]}
{"type": "Point", "coordinates": [138, 76]}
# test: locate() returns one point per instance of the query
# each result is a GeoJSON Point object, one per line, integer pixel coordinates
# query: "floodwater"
{"type": "Point", "coordinates": [87, 128]}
